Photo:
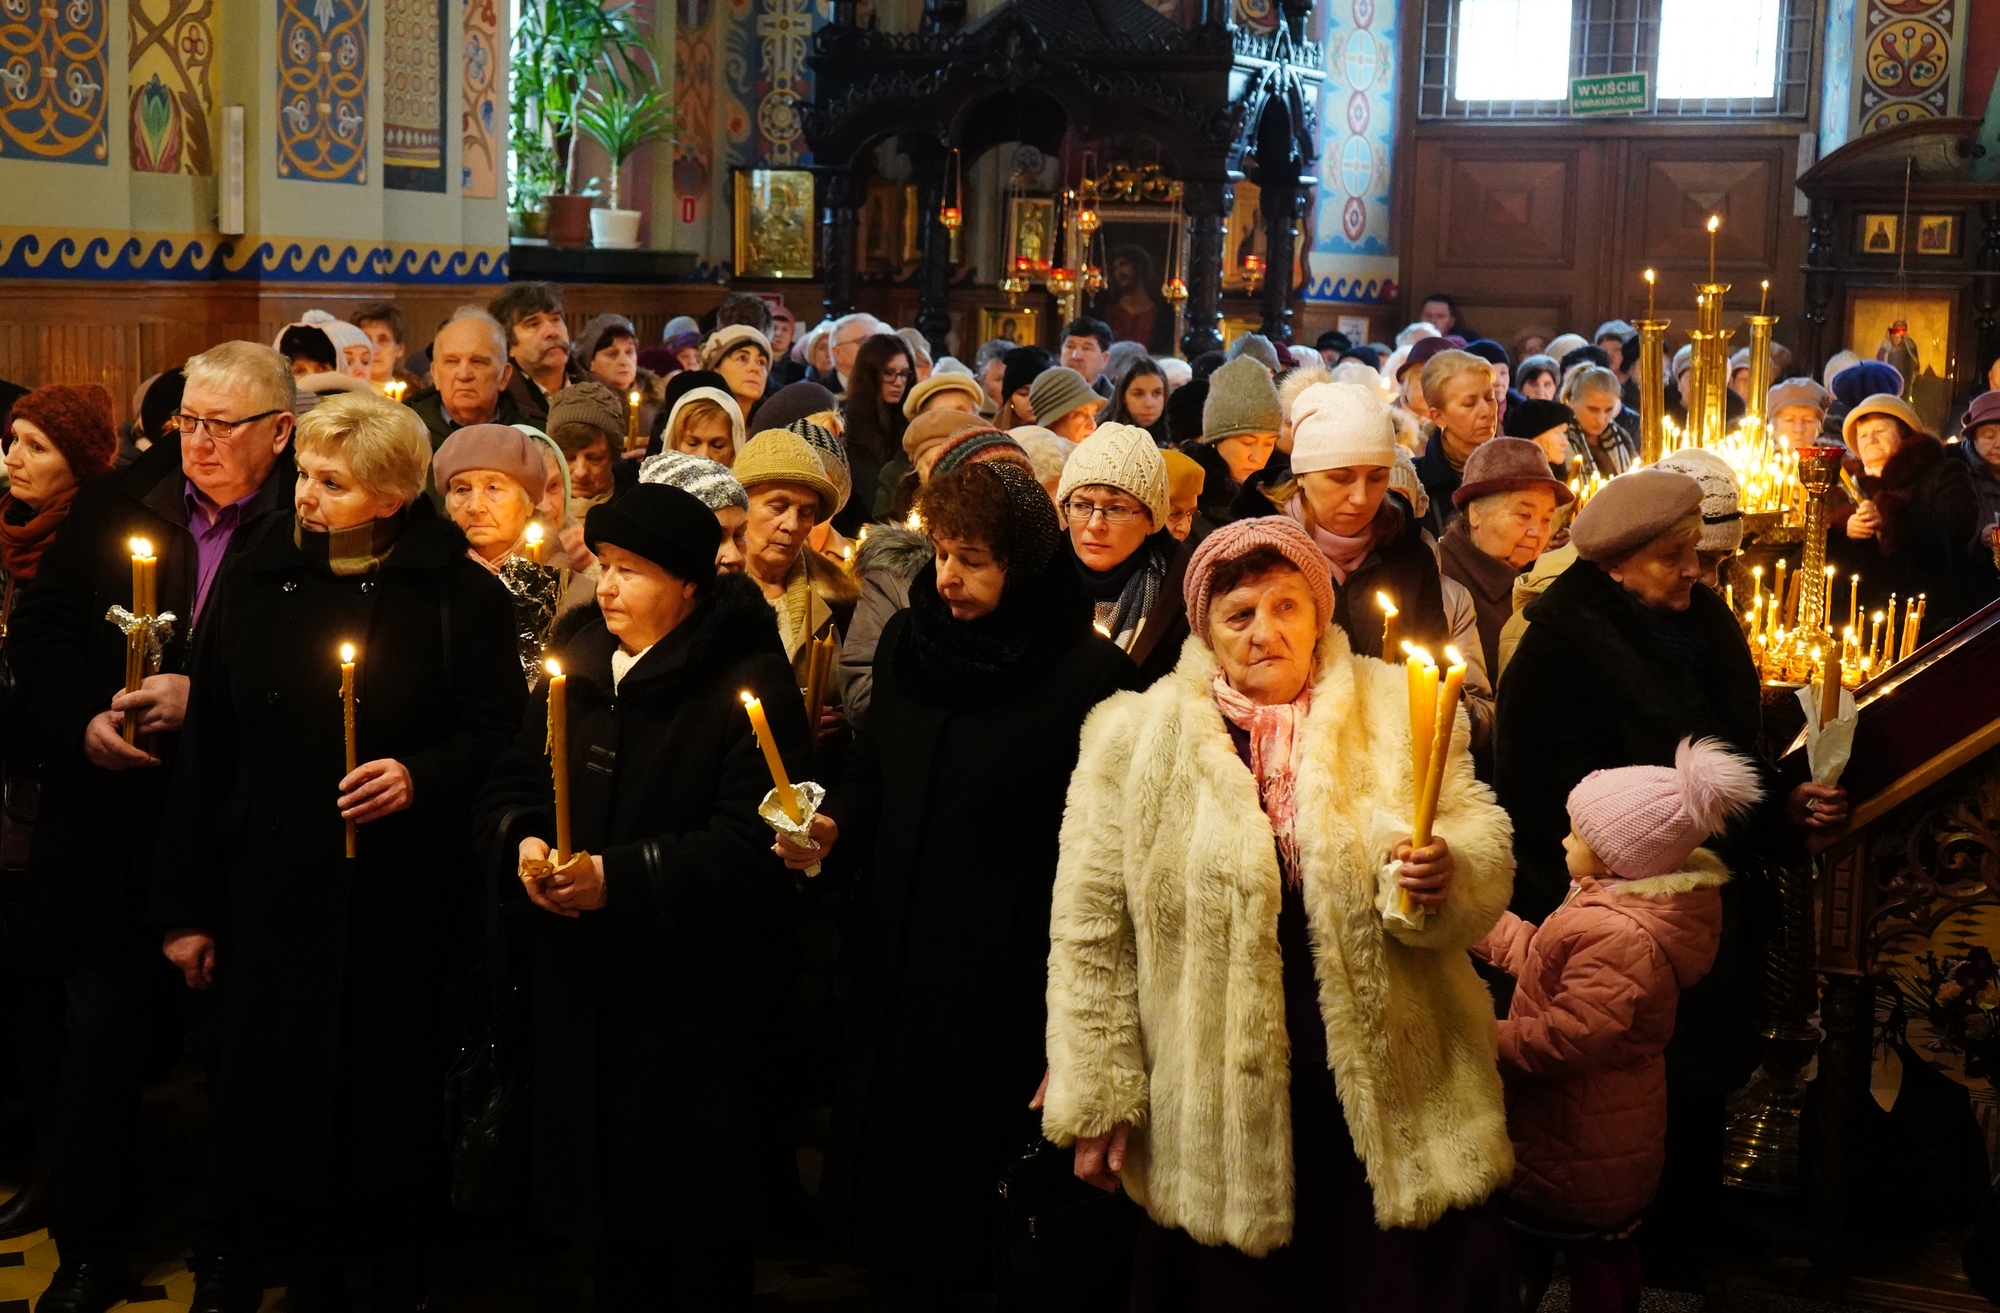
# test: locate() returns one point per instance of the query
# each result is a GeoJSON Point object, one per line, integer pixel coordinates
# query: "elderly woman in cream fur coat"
{"type": "Point", "coordinates": [1291, 1071]}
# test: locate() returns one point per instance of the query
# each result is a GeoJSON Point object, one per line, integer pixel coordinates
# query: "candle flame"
{"type": "Point", "coordinates": [1649, 276]}
{"type": "Point", "coordinates": [1101, 629]}
{"type": "Point", "coordinates": [534, 532]}
{"type": "Point", "coordinates": [141, 547]}
{"type": "Point", "coordinates": [746, 696]}
{"type": "Point", "coordinates": [1767, 284]}
{"type": "Point", "coordinates": [1422, 655]}
{"type": "Point", "coordinates": [1382, 600]}
{"type": "Point", "coordinates": [553, 666]}
{"type": "Point", "coordinates": [915, 523]}
{"type": "Point", "coordinates": [1451, 655]}
{"type": "Point", "coordinates": [1714, 222]}
{"type": "Point", "coordinates": [347, 654]}
{"type": "Point", "coordinates": [633, 396]}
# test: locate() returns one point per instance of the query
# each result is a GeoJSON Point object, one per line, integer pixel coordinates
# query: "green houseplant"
{"type": "Point", "coordinates": [621, 117]}
{"type": "Point", "coordinates": [562, 50]}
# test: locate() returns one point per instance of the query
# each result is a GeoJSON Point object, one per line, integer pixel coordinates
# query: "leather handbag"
{"type": "Point", "coordinates": [1065, 1245]}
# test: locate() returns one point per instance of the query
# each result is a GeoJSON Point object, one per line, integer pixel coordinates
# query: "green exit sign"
{"type": "Point", "coordinates": [1613, 93]}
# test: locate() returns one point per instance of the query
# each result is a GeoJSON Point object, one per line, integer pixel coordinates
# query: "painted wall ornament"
{"type": "Point", "coordinates": [53, 72]}
{"type": "Point", "coordinates": [322, 90]}
{"type": "Point", "coordinates": [171, 58]}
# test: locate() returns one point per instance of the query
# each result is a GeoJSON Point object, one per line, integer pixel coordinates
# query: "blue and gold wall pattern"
{"type": "Point", "coordinates": [322, 90]}
{"type": "Point", "coordinates": [53, 71]}
{"type": "Point", "coordinates": [1350, 260]}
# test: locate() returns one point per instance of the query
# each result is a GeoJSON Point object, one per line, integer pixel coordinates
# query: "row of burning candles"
{"type": "Point", "coordinates": [1787, 653]}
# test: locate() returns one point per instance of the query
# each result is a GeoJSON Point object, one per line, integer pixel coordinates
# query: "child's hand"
{"type": "Point", "coordinates": [1427, 872]}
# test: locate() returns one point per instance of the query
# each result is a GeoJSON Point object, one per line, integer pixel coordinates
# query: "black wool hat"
{"type": "Point", "coordinates": [1023, 365]}
{"type": "Point", "coordinates": [686, 381]}
{"type": "Point", "coordinates": [667, 526]}
{"type": "Point", "coordinates": [1534, 417]}
{"type": "Point", "coordinates": [1184, 407]}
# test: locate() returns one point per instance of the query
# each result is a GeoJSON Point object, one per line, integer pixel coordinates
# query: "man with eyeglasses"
{"type": "Point", "coordinates": [847, 335]}
{"type": "Point", "coordinates": [196, 498]}
{"type": "Point", "coordinates": [1114, 495]}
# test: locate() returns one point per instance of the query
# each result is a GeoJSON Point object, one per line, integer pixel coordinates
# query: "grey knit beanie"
{"type": "Point", "coordinates": [832, 453]}
{"type": "Point", "coordinates": [1056, 392]}
{"type": "Point", "coordinates": [711, 484]}
{"type": "Point", "coordinates": [1258, 348]}
{"type": "Point", "coordinates": [1241, 399]}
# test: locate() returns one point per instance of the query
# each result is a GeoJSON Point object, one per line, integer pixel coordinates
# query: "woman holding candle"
{"type": "Point", "coordinates": [1236, 958]}
{"type": "Point", "coordinates": [657, 1008]}
{"type": "Point", "coordinates": [1343, 450]}
{"type": "Point", "coordinates": [1918, 529]}
{"type": "Point", "coordinates": [1625, 654]}
{"type": "Point", "coordinates": [955, 789]}
{"type": "Point", "coordinates": [323, 1138]}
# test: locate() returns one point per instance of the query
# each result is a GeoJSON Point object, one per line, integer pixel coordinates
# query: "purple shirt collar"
{"type": "Point", "coordinates": [211, 536]}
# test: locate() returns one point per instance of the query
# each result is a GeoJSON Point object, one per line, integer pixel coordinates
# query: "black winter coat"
{"type": "Point", "coordinates": [1928, 540]}
{"type": "Point", "coordinates": [95, 835]}
{"type": "Point", "coordinates": [330, 972]}
{"type": "Point", "coordinates": [655, 1022]}
{"type": "Point", "coordinates": [1592, 686]}
{"type": "Point", "coordinates": [959, 809]}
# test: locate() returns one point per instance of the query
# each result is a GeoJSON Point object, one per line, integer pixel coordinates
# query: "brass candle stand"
{"type": "Point", "coordinates": [1760, 367]}
{"type": "Point", "coordinates": [1652, 389]}
{"type": "Point", "coordinates": [1712, 352]}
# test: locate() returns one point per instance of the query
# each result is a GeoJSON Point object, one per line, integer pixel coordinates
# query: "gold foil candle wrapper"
{"type": "Point", "coordinates": [807, 795]}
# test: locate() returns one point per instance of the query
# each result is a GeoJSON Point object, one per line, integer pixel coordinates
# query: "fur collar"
{"type": "Point", "coordinates": [898, 551]}
{"type": "Point", "coordinates": [1908, 465]}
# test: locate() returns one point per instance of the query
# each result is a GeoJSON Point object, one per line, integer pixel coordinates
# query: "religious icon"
{"type": "Point", "coordinates": [1030, 221]}
{"type": "Point", "coordinates": [1021, 327]}
{"type": "Point", "coordinates": [1937, 234]}
{"type": "Point", "coordinates": [1899, 351]}
{"type": "Point", "coordinates": [774, 223]}
{"type": "Point", "coordinates": [1881, 234]}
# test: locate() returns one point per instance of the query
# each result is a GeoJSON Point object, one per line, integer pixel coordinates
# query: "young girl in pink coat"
{"type": "Point", "coordinates": [1582, 1047]}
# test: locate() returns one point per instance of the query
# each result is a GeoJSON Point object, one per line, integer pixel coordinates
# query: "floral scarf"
{"type": "Point", "coordinates": [1273, 732]}
{"type": "Point", "coordinates": [1343, 555]}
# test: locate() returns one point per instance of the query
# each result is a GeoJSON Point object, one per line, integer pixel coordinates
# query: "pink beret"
{"type": "Point", "coordinates": [1235, 541]}
{"type": "Point", "coordinates": [492, 447]}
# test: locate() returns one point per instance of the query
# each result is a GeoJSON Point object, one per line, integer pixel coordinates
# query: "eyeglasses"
{"type": "Point", "coordinates": [1079, 512]}
{"type": "Point", "coordinates": [218, 430]}
{"type": "Point", "coordinates": [898, 375]}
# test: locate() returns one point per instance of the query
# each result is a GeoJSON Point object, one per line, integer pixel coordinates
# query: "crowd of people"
{"type": "Point", "coordinates": [1115, 845]}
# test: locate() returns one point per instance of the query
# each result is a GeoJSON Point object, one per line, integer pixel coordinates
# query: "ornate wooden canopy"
{"type": "Point", "coordinates": [1222, 102]}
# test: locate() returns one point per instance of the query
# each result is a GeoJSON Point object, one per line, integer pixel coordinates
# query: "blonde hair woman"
{"type": "Point", "coordinates": [332, 979]}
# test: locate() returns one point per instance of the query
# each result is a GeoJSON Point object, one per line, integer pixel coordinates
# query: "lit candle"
{"type": "Point", "coordinates": [1853, 601]}
{"type": "Point", "coordinates": [1714, 225]}
{"type": "Point", "coordinates": [559, 756]}
{"type": "Point", "coordinates": [1650, 283]}
{"type": "Point", "coordinates": [1423, 678]}
{"type": "Point", "coordinates": [1389, 625]}
{"type": "Point", "coordinates": [779, 780]}
{"type": "Point", "coordinates": [1874, 656]}
{"type": "Point", "coordinates": [1764, 300]}
{"type": "Point", "coordinates": [143, 583]}
{"type": "Point", "coordinates": [1729, 597]}
{"type": "Point", "coordinates": [534, 542]}
{"type": "Point", "coordinates": [145, 578]}
{"type": "Point", "coordinates": [1912, 614]}
{"type": "Point", "coordinates": [631, 419]}
{"type": "Point", "coordinates": [1778, 592]}
{"type": "Point", "coordinates": [1447, 717]}
{"type": "Point", "coordinates": [347, 720]}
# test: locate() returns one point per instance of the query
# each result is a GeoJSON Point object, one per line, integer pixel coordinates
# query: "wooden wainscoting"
{"type": "Point", "coordinates": [1549, 225]}
{"type": "Point", "coordinates": [121, 333]}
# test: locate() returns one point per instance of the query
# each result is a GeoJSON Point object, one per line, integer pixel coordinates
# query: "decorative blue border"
{"type": "Point", "coordinates": [75, 253]}
{"type": "Point", "coordinates": [1382, 291]}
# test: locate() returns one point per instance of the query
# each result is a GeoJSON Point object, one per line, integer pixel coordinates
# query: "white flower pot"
{"type": "Point", "coordinates": [614, 229]}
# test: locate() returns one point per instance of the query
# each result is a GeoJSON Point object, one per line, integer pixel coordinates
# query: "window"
{"type": "Point", "coordinates": [1512, 50]}
{"type": "Point", "coordinates": [1719, 49]}
{"type": "Point", "coordinates": [1513, 59]}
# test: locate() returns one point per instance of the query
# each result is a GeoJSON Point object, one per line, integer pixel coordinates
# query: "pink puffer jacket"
{"type": "Point", "coordinates": [1582, 1047]}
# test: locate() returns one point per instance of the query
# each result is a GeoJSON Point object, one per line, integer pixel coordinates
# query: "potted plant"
{"type": "Point", "coordinates": [621, 118]}
{"type": "Point", "coordinates": [561, 48]}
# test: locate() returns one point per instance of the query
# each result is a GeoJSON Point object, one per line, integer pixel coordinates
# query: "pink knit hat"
{"type": "Point", "coordinates": [1237, 540]}
{"type": "Point", "coordinates": [1643, 821]}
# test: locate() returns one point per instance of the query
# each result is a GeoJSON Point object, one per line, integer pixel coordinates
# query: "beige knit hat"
{"type": "Point", "coordinates": [1337, 425]}
{"type": "Point", "coordinates": [1059, 391]}
{"type": "Point", "coordinates": [589, 403]}
{"type": "Point", "coordinates": [727, 338]}
{"type": "Point", "coordinates": [781, 456]}
{"type": "Point", "coordinates": [913, 404]}
{"type": "Point", "coordinates": [1121, 456]}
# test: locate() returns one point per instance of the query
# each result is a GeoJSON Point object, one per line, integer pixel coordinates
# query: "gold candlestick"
{"type": "Point", "coordinates": [1760, 364]}
{"type": "Point", "coordinates": [1652, 382]}
{"type": "Point", "coordinates": [1818, 468]}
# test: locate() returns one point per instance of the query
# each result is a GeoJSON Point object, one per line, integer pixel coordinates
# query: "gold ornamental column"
{"type": "Point", "coordinates": [1652, 389]}
{"type": "Point", "coordinates": [1760, 366]}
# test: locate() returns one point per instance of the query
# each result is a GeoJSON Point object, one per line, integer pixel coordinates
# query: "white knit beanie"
{"type": "Point", "coordinates": [1121, 456]}
{"type": "Point", "coordinates": [1335, 425]}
